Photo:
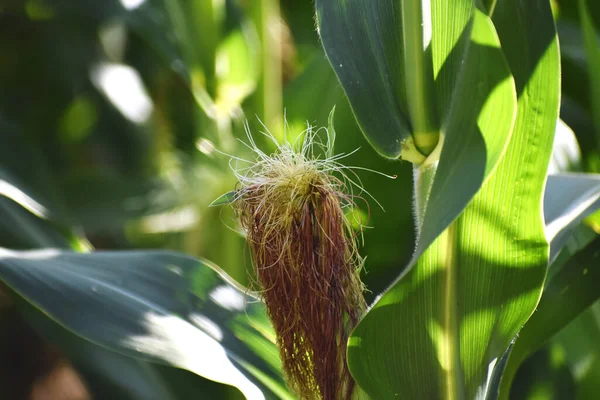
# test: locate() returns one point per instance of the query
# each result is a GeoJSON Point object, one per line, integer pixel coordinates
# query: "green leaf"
{"type": "Point", "coordinates": [363, 43]}
{"type": "Point", "coordinates": [387, 83]}
{"type": "Point", "coordinates": [111, 375]}
{"type": "Point", "coordinates": [571, 291]}
{"type": "Point", "coordinates": [155, 306]}
{"type": "Point", "coordinates": [226, 198]}
{"type": "Point", "coordinates": [451, 317]}
{"type": "Point", "coordinates": [106, 373]}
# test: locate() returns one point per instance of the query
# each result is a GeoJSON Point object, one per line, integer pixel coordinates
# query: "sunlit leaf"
{"type": "Point", "coordinates": [452, 316]}
{"type": "Point", "coordinates": [164, 308]}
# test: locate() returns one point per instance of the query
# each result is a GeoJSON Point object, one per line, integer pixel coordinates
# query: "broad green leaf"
{"type": "Point", "coordinates": [164, 308]}
{"type": "Point", "coordinates": [367, 45]}
{"type": "Point", "coordinates": [111, 375]}
{"type": "Point", "coordinates": [450, 319]}
{"type": "Point", "coordinates": [476, 132]}
{"type": "Point", "coordinates": [363, 41]}
{"type": "Point", "coordinates": [570, 291]}
{"type": "Point", "coordinates": [568, 199]}
{"type": "Point", "coordinates": [107, 374]}
{"type": "Point", "coordinates": [474, 95]}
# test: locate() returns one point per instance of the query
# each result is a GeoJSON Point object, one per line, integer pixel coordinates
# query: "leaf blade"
{"type": "Point", "coordinates": [165, 308]}
{"type": "Point", "coordinates": [497, 292]}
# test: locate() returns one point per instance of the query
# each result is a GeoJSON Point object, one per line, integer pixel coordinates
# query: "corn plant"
{"type": "Point", "coordinates": [453, 256]}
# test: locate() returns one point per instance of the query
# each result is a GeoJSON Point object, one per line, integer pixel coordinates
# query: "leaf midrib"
{"type": "Point", "coordinates": [453, 380]}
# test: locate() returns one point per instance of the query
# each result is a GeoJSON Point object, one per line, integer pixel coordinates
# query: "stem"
{"type": "Point", "coordinates": [418, 77]}
{"type": "Point", "coordinates": [448, 334]}
{"type": "Point", "coordinates": [453, 380]}
{"type": "Point", "coordinates": [206, 18]}
{"type": "Point", "coordinates": [269, 97]}
{"type": "Point", "coordinates": [592, 53]}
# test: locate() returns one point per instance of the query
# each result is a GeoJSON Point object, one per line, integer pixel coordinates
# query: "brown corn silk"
{"type": "Point", "coordinates": [306, 263]}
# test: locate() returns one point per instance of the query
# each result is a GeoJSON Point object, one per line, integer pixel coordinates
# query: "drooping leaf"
{"type": "Point", "coordinates": [456, 311]}
{"type": "Point", "coordinates": [156, 306]}
{"type": "Point", "coordinates": [363, 42]}
{"type": "Point", "coordinates": [107, 374]}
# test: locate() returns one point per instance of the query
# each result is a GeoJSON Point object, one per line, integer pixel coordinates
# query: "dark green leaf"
{"type": "Point", "coordinates": [363, 41]}
{"type": "Point", "coordinates": [456, 311]}
{"type": "Point", "coordinates": [572, 290]}
{"type": "Point", "coordinates": [156, 306]}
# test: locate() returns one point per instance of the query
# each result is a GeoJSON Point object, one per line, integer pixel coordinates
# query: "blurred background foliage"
{"type": "Point", "coordinates": [116, 113]}
{"type": "Point", "coordinates": [121, 110]}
